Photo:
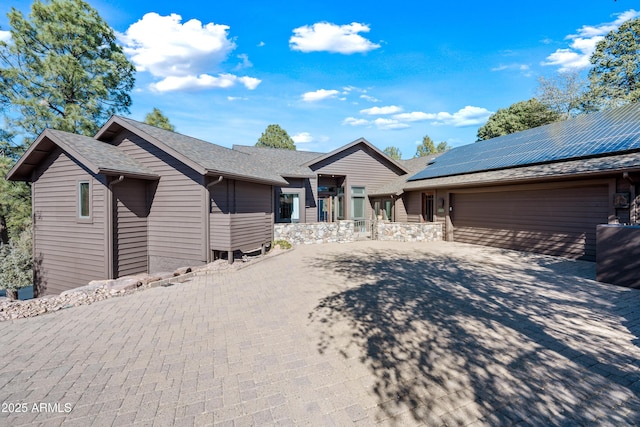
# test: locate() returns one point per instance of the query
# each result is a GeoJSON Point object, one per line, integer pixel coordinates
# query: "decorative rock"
{"type": "Point", "coordinates": [98, 290]}
{"type": "Point", "coordinates": [181, 271]}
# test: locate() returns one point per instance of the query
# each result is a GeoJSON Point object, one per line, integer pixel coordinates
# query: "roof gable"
{"type": "Point", "coordinates": [202, 156]}
{"type": "Point", "coordinates": [360, 141]}
{"type": "Point", "coordinates": [98, 157]}
{"type": "Point", "coordinates": [585, 136]}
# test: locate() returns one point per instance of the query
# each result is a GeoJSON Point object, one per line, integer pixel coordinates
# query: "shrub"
{"type": "Point", "coordinates": [282, 243]}
{"type": "Point", "coordinates": [16, 262]}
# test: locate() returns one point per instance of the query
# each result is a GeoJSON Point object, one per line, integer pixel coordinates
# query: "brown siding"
{"type": "Point", "coordinates": [130, 227]}
{"type": "Point", "coordinates": [68, 252]}
{"type": "Point", "coordinates": [311, 200]}
{"type": "Point", "coordinates": [241, 215]}
{"type": "Point", "coordinates": [252, 225]}
{"type": "Point", "coordinates": [554, 221]}
{"type": "Point", "coordinates": [400, 208]}
{"type": "Point", "coordinates": [175, 223]}
{"type": "Point", "coordinates": [413, 202]}
{"type": "Point", "coordinates": [363, 168]}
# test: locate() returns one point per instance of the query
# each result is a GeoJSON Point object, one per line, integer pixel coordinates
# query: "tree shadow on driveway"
{"type": "Point", "coordinates": [496, 336]}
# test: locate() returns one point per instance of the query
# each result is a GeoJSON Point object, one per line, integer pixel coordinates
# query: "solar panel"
{"type": "Point", "coordinates": [588, 135]}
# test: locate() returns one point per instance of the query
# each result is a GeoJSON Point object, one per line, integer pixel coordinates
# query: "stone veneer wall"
{"type": "Point", "coordinates": [343, 231]}
{"type": "Point", "coordinates": [408, 232]}
{"type": "Point", "coordinates": [318, 232]}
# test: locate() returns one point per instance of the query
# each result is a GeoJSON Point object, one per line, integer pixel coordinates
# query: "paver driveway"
{"type": "Point", "coordinates": [362, 333]}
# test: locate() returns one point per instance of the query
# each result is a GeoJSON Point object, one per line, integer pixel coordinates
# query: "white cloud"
{"type": "Point", "coordinates": [352, 121]}
{"type": "Point", "coordinates": [583, 44]}
{"type": "Point", "coordinates": [415, 116]}
{"type": "Point", "coordinates": [377, 111]}
{"type": "Point", "coordinates": [369, 98]}
{"type": "Point", "coordinates": [328, 37]}
{"type": "Point", "coordinates": [520, 67]}
{"type": "Point", "coordinates": [245, 63]}
{"type": "Point", "coordinates": [261, 44]}
{"type": "Point", "coordinates": [467, 116]}
{"type": "Point", "coordinates": [203, 81]}
{"type": "Point", "coordinates": [381, 123]}
{"type": "Point", "coordinates": [389, 124]}
{"type": "Point", "coordinates": [5, 36]}
{"type": "Point", "coordinates": [236, 98]}
{"type": "Point", "coordinates": [302, 138]}
{"type": "Point", "coordinates": [183, 55]}
{"type": "Point", "coordinates": [319, 94]}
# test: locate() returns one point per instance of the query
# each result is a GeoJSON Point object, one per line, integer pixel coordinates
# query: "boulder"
{"type": "Point", "coordinates": [181, 271]}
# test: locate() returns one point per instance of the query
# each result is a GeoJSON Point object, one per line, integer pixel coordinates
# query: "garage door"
{"type": "Point", "coordinates": [558, 221]}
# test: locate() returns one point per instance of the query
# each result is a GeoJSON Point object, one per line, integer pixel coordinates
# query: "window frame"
{"type": "Point", "coordinates": [429, 207]}
{"type": "Point", "coordinates": [359, 195]}
{"type": "Point", "coordinates": [79, 200]}
{"type": "Point", "coordinates": [293, 193]}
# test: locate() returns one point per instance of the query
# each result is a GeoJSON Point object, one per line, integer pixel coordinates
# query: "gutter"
{"type": "Point", "coordinates": [110, 207]}
{"type": "Point", "coordinates": [207, 218]}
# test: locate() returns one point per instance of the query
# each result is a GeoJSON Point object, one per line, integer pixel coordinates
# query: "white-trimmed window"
{"type": "Point", "coordinates": [84, 200]}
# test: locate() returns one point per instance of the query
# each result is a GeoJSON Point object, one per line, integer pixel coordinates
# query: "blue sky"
{"type": "Point", "coordinates": [330, 72]}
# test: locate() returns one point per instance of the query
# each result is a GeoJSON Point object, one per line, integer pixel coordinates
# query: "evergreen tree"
{"type": "Point", "coordinates": [427, 147]}
{"type": "Point", "coordinates": [63, 69]}
{"type": "Point", "coordinates": [615, 77]}
{"type": "Point", "coordinates": [393, 152]}
{"type": "Point", "coordinates": [442, 147]}
{"type": "Point", "coordinates": [275, 137]}
{"type": "Point", "coordinates": [159, 120]}
{"type": "Point", "coordinates": [517, 117]}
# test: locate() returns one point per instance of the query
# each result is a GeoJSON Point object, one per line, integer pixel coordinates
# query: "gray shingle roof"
{"type": "Point", "coordinates": [210, 157]}
{"type": "Point", "coordinates": [289, 163]}
{"type": "Point", "coordinates": [104, 157]}
{"type": "Point", "coordinates": [397, 185]}
{"type": "Point", "coordinates": [97, 156]}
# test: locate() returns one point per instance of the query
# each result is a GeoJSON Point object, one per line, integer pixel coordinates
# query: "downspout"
{"type": "Point", "coordinates": [207, 222]}
{"type": "Point", "coordinates": [110, 269]}
{"type": "Point", "coordinates": [634, 206]}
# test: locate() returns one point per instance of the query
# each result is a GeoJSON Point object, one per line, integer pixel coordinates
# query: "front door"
{"type": "Point", "coordinates": [325, 210]}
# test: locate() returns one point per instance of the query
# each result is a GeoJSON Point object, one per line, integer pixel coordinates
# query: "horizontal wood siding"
{"type": "Point", "coordinates": [556, 221]}
{"type": "Point", "coordinates": [363, 168]}
{"type": "Point", "coordinates": [250, 230]}
{"type": "Point", "coordinates": [413, 202]}
{"type": "Point", "coordinates": [175, 222]}
{"type": "Point", "coordinates": [130, 227]}
{"type": "Point", "coordinates": [68, 252]}
{"type": "Point", "coordinates": [400, 210]}
{"type": "Point", "coordinates": [241, 215]}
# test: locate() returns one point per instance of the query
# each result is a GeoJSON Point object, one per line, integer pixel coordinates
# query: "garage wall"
{"type": "Point", "coordinates": [554, 221]}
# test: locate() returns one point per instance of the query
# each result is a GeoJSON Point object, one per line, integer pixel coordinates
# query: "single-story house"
{"type": "Point", "coordinates": [327, 187]}
{"type": "Point", "coordinates": [139, 199]}
{"type": "Point", "coordinates": [541, 190]}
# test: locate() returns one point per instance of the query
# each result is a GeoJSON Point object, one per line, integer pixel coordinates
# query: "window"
{"type": "Point", "coordinates": [84, 200]}
{"type": "Point", "coordinates": [289, 207]}
{"type": "Point", "coordinates": [387, 209]}
{"type": "Point", "coordinates": [357, 203]}
{"type": "Point", "coordinates": [428, 206]}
